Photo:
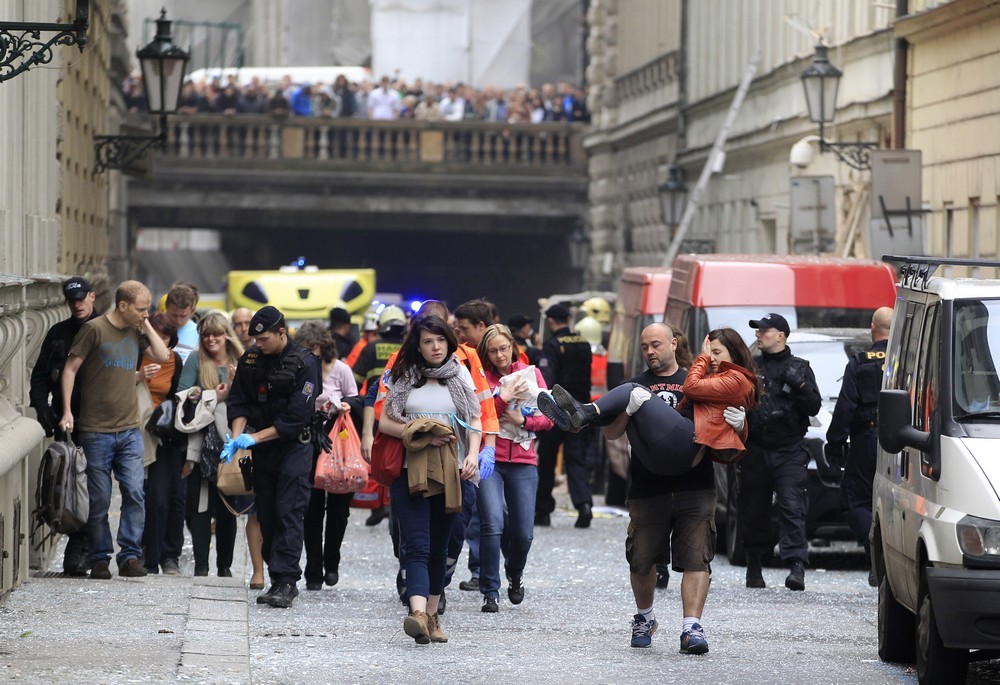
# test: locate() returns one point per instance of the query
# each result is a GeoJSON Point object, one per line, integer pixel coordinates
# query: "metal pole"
{"type": "Point", "coordinates": [706, 171]}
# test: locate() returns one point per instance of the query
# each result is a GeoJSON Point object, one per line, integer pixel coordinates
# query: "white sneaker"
{"type": "Point", "coordinates": [637, 398]}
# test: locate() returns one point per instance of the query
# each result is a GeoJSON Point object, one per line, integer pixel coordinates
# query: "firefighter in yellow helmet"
{"type": "Point", "coordinates": [371, 362]}
{"type": "Point", "coordinates": [598, 308]}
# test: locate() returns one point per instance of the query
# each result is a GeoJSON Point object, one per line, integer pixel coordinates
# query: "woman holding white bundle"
{"type": "Point", "coordinates": [515, 475]}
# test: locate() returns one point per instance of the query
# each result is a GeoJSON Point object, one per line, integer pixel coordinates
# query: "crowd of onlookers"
{"type": "Point", "coordinates": [387, 99]}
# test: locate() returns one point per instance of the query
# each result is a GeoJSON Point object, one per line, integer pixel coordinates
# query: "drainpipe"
{"type": "Point", "coordinates": [682, 81]}
{"type": "Point", "coordinates": [899, 84]}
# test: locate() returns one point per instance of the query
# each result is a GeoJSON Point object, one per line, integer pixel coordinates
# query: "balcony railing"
{"type": "Point", "coordinates": [554, 148]}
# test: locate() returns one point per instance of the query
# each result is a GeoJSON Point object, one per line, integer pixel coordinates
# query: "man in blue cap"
{"type": "Point", "coordinates": [271, 406]}
{"type": "Point", "coordinates": [45, 384]}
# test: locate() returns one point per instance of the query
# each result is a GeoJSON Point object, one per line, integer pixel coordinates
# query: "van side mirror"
{"type": "Point", "coordinates": [895, 430]}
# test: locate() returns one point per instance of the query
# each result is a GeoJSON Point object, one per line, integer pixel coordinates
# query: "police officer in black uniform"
{"type": "Point", "coordinates": [856, 417]}
{"type": "Point", "coordinates": [271, 407]}
{"type": "Point", "coordinates": [777, 456]}
{"type": "Point", "coordinates": [45, 383]}
{"type": "Point", "coordinates": [565, 360]}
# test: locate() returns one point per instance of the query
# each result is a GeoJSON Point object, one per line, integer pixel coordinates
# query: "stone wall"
{"type": "Point", "coordinates": [53, 215]}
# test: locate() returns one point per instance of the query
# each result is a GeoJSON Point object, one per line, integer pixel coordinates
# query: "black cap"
{"type": "Point", "coordinates": [340, 315]}
{"type": "Point", "coordinates": [76, 288]}
{"type": "Point", "coordinates": [518, 321]}
{"type": "Point", "coordinates": [264, 320]}
{"type": "Point", "coordinates": [771, 320]}
{"type": "Point", "coordinates": [557, 312]}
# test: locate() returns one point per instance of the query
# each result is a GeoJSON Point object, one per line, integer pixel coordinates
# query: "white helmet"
{"type": "Point", "coordinates": [391, 316]}
{"type": "Point", "coordinates": [590, 329]}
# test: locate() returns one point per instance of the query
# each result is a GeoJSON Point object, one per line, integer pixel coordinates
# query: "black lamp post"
{"type": "Point", "coordinates": [579, 246]}
{"type": "Point", "coordinates": [21, 45]}
{"type": "Point", "coordinates": [163, 67]}
{"type": "Point", "coordinates": [673, 197]}
{"type": "Point", "coordinates": [821, 82]}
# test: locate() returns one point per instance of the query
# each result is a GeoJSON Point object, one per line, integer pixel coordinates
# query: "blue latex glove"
{"type": "Point", "coordinates": [244, 441]}
{"type": "Point", "coordinates": [240, 442]}
{"type": "Point", "coordinates": [487, 457]}
{"type": "Point", "coordinates": [228, 450]}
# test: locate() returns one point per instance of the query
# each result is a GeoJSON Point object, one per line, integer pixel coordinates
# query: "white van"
{"type": "Point", "coordinates": [935, 537]}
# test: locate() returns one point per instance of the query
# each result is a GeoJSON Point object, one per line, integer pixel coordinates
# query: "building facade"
{"type": "Point", "coordinates": [953, 117]}
{"type": "Point", "coordinates": [53, 222]}
{"type": "Point", "coordinates": [663, 76]}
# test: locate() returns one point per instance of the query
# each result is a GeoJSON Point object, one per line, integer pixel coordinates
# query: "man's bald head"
{"type": "Point", "coordinates": [659, 347]}
{"type": "Point", "coordinates": [881, 321]}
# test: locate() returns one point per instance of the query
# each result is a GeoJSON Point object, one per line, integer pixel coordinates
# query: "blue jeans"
{"type": "Point", "coordinates": [515, 484]}
{"type": "Point", "coordinates": [121, 453]}
{"type": "Point", "coordinates": [425, 529]}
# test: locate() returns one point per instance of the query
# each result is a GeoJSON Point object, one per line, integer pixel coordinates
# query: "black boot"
{"type": "Point", "coordinates": [377, 516]}
{"type": "Point", "coordinates": [796, 579]}
{"type": "Point", "coordinates": [580, 415]}
{"type": "Point", "coordinates": [755, 578]}
{"type": "Point", "coordinates": [282, 596]}
{"type": "Point", "coordinates": [585, 516]}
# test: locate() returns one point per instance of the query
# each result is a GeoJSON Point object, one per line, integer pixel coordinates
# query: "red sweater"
{"type": "Point", "coordinates": [508, 451]}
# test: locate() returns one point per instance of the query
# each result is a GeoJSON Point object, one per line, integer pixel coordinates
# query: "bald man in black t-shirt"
{"type": "Point", "coordinates": [672, 518]}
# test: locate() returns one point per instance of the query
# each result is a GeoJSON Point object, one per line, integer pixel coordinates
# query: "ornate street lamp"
{"type": "Point", "coordinates": [163, 67]}
{"type": "Point", "coordinates": [22, 47]}
{"type": "Point", "coordinates": [821, 82]}
{"type": "Point", "coordinates": [673, 197]}
{"type": "Point", "coordinates": [579, 246]}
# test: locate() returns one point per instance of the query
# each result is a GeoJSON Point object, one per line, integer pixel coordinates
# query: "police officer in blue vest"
{"type": "Point", "coordinates": [856, 418]}
{"type": "Point", "coordinates": [271, 407]}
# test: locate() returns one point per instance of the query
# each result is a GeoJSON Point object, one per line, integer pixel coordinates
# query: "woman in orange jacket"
{"type": "Point", "coordinates": [662, 437]}
{"type": "Point", "coordinates": [722, 386]}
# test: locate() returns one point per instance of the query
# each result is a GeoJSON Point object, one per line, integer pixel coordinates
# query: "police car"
{"type": "Point", "coordinates": [827, 350]}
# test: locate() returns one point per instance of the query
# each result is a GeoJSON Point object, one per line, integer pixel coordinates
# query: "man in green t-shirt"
{"type": "Point", "coordinates": [104, 360]}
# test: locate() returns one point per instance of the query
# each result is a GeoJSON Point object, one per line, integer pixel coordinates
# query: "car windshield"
{"type": "Point", "coordinates": [798, 317]}
{"type": "Point", "coordinates": [827, 355]}
{"type": "Point", "coordinates": [977, 356]}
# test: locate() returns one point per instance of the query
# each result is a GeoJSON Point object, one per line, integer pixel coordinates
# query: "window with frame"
{"type": "Point", "coordinates": [927, 372]}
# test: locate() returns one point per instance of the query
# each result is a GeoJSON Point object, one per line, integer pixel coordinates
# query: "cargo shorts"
{"type": "Point", "coordinates": [676, 528]}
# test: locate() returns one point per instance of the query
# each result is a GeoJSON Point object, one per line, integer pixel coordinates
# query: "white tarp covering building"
{"type": "Point", "coordinates": [498, 42]}
{"type": "Point", "coordinates": [477, 42]}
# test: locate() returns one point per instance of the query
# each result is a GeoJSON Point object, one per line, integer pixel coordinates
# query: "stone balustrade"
{"type": "Point", "coordinates": [398, 145]}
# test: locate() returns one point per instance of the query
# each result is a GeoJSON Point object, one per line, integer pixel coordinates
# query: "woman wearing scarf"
{"type": "Point", "coordinates": [429, 386]}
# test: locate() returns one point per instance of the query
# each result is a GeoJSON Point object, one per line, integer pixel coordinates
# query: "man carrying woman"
{"type": "Point", "coordinates": [672, 491]}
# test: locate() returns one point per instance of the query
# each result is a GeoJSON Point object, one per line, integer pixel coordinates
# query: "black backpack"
{"type": "Point", "coordinates": [61, 498]}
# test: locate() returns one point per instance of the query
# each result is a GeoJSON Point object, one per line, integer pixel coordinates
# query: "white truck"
{"type": "Point", "coordinates": [935, 537]}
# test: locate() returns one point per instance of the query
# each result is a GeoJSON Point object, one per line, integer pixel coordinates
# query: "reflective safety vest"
{"type": "Point", "coordinates": [598, 375]}
{"type": "Point", "coordinates": [355, 352]}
